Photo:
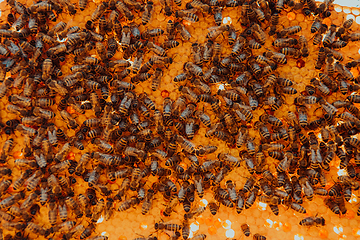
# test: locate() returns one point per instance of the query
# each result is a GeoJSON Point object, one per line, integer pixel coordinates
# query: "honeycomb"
{"type": "Point", "coordinates": [226, 224]}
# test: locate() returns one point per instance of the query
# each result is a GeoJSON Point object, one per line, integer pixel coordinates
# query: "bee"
{"type": "Point", "coordinates": [147, 204]}
{"type": "Point", "coordinates": [250, 146]}
{"type": "Point", "coordinates": [11, 200]}
{"type": "Point", "coordinates": [167, 7]}
{"type": "Point", "coordinates": [29, 201]}
{"type": "Point", "coordinates": [202, 7]}
{"type": "Point", "coordinates": [251, 197]}
{"type": "Point", "coordinates": [19, 181]}
{"type": "Point", "coordinates": [185, 230]}
{"type": "Point", "coordinates": [7, 147]}
{"type": "Point", "coordinates": [5, 184]}
{"type": "Point", "coordinates": [218, 16]}
{"type": "Point", "coordinates": [98, 209]}
{"type": "Point", "coordinates": [170, 29]}
{"type": "Point", "coordinates": [137, 62]}
{"type": "Point", "coordinates": [172, 227]}
{"type": "Point", "coordinates": [345, 27]}
{"type": "Point", "coordinates": [297, 207]}
{"type": "Point", "coordinates": [52, 214]}
{"type": "Point", "coordinates": [74, 206]}
{"type": "Point", "coordinates": [98, 12]}
{"type": "Point", "coordinates": [83, 201]}
{"type": "Point", "coordinates": [214, 207]}
{"type": "Point", "coordinates": [214, 32]}
{"type": "Point", "coordinates": [36, 229]}
{"type": "Point", "coordinates": [332, 205]}
{"type": "Point", "coordinates": [43, 195]}
{"type": "Point", "coordinates": [199, 237]}
{"type": "Point", "coordinates": [150, 33]}
{"type": "Point", "coordinates": [188, 15]}
{"type": "Point", "coordinates": [277, 57]}
{"type": "Point", "coordinates": [156, 80]}
{"type": "Point", "coordinates": [194, 213]}
{"type": "Point", "coordinates": [125, 37]}
{"type": "Point", "coordinates": [34, 180]}
{"type": "Point", "coordinates": [128, 204]}
{"type": "Point", "coordinates": [17, 110]}
{"type": "Point", "coordinates": [289, 31]}
{"type": "Point", "coordinates": [291, 52]}
{"type": "Point", "coordinates": [99, 238]}
{"type": "Point", "coordinates": [246, 229]}
{"type": "Point", "coordinates": [256, 235]}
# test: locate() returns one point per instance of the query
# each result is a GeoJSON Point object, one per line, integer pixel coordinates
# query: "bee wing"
{"type": "Point", "coordinates": [189, 19]}
{"type": "Point", "coordinates": [213, 28]}
{"type": "Point", "coordinates": [191, 10]}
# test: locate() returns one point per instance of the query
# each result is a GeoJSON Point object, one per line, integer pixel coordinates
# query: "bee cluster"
{"type": "Point", "coordinates": [134, 138]}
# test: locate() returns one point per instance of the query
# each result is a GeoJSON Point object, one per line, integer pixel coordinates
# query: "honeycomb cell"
{"type": "Point", "coordinates": [346, 10]}
{"type": "Point", "coordinates": [323, 234]}
{"type": "Point", "coordinates": [291, 16]}
{"type": "Point", "coordinates": [212, 230]}
{"type": "Point", "coordinates": [286, 227]}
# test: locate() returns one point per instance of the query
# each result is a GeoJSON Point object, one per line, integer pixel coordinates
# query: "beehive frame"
{"type": "Point", "coordinates": [132, 224]}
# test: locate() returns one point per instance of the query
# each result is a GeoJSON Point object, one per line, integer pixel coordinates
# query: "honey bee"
{"type": "Point", "coordinates": [289, 31]}
{"type": "Point", "coordinates": [128, 204]}
{"type": "Point", "coordinates": [150, 33]}
{"type": "Point", "coordinates": [17, 110]}
{"type": "Point", "coordinates": [11, 200]}
{"type": "Point", "coordinates": [29, 201]}
{"type": "Point", "coordinates": [194, 213]}
{"type": "Point", "coordinates": [257, 236]}
{"type": "Point", "coordinates": [98, 209]}
{"type": "Point", "coordinates": [297, 207]}
{"type": "Point", "coordinates": [214, 32]}
{"type": "Point", "coordinates": [251, 197]}
{"type": "Point", "coordinates": [214, 207]}
{"type": "Point", "coordinates": [188, 15]}
{"type": "Point", "coordinates": [334, 207]}
{"type": "Point", "coordinates": [84, 203]}
{"type": "Point", "coordinates": [52, 214]}
{"type": "Point", "coordinates": [34, 180]}
{"type": "Point", "coordinates": [99, 238]}
{"type": "Point", "coordinates": [246, 229]}
{"type": "Point", "coordinates": [5, 184]}
{"type": "Point", "coordinates": [36, 229]}
{"type": "Point", "coordinates": [167, 7]}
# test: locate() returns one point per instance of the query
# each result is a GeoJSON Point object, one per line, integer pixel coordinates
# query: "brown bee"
{"type": "Point", "coordinates": [147, 14]}
{"type": "Point", "coordinates": [184, 33]}
{"type": "Point", "coordinates": [214, 32]}
{"type": "Point", "coordinates": [188, 15]}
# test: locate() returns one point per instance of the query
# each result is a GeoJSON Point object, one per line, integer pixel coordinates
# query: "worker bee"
{"type": "Point", "coordinates": [52, 214]}
{"type": "Point", "coordinates": [194, 213]}
{"type": "Point", "coordinates": [184, 33]}
{"type": "Point", "coordinates": [128, 204]}
{"type": "Point", "coordinates": [188, 15]}
{"type": "Point", "coordinates": [213, 207]}
{"type": "Point", "coordinates": [36, 229]}
{"type": "Point", "coordinates": [147, 14]}
{"type": "Point", "coordinates": [34, 180]}
{"type": "Point", "coordinates": [98, 209]}
{"type": "Point", "coordinates": [332, 205]}
{"type": "Point", "coordinates": [5, 184]}
{"type": "Point", "coordinates": [246, 229]}
{"type": "Point", "coordinates": [214, 32]}
{"type": "Point", "coordinates": [312, 221]}
{"type": "Point", "coordinates": [257, 236]}
{"type": "Point", "coordinates": [297, 207]}
{"type": "Point", "coordinates": [289, 31]}
{"type": "Point", "coordinates": [251, 197]}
